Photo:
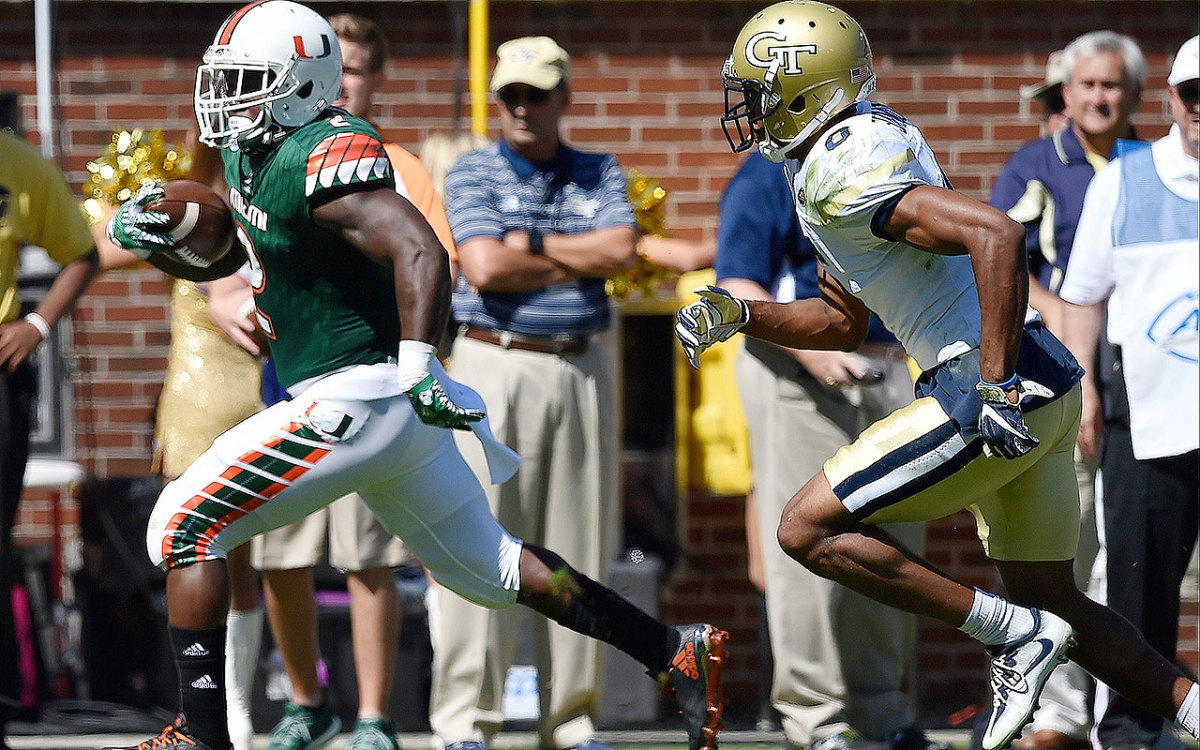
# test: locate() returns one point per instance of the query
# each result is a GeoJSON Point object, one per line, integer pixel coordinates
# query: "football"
{"type": "Point", "coordinates": [202, 226]}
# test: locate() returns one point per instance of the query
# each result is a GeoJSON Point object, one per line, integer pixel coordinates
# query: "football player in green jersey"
{"type": "Point", "coordinates": [352, 290]}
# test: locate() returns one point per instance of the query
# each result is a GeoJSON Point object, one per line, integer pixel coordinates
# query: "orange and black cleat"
{"type": "Point", "coordinates": [694, 679]}
{"type": "Point", "coordinates": [173, 737]}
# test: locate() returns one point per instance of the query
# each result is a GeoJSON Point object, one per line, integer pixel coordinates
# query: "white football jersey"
{"type": "Point", "coordinates": [927, 301]}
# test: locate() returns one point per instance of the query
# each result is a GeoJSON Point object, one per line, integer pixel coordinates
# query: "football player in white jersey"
{"type": "Point", "coordinates": [998, 401]}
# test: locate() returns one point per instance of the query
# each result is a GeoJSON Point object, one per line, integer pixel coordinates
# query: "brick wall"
{"type": "Point", "coordinates": [646, 86]}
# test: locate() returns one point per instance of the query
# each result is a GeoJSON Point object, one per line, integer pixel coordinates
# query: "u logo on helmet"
{"type": "Point", "coordinates": [298, 41]}
{"type": "Point", "coordinates": [784, 57]}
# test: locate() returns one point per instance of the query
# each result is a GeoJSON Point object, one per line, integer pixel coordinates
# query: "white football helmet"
{"type": "Point", "coordinates": [273, 65]}
{"type": "Point", "coordinates": [794, 65]}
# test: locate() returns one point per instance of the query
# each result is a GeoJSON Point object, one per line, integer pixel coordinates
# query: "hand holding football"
{"type": "Point", "coordinates": [202, 226]}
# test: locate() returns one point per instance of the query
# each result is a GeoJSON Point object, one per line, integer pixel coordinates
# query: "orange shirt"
{"type": "Point", "coordinates": [415, 184]}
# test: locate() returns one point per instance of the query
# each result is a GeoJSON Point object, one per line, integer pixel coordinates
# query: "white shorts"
{"type": "Point", "coordinates": [297, 456]}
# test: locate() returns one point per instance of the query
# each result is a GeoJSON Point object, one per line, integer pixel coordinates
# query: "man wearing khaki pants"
{"type": "Point", "coordinates": [538, 226]}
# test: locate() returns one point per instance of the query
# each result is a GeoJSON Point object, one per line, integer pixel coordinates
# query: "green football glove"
{"type": "Point", "coordinates": [714, 317]}
{"type": "Point", "coordinates": [135, 229]}
{"type": "Point", "coordinates": [433, 406]}
{"type": "Point", "coordinates": [414, 373]}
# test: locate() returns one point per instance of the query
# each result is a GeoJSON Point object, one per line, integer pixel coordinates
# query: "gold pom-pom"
{"type": "Point", "coordinates": [649, 201]}
{"type": "Point", "coordinates": [649, 209]}
{"type": "Point", "coordinates": [131, 159]}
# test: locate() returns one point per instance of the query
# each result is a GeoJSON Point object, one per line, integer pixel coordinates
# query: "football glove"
{"type": "Point", "coordinates": [713, 318]}
{"type": "Point", "coordinates": [433, 405]}
{"type": "Point", "coordinates": [1001, 424]}
{"type": "Point", "coordinates": [134, 229]}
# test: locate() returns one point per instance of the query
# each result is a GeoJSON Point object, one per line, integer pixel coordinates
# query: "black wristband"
{"type": "Point", "coordinates": [536, 245]}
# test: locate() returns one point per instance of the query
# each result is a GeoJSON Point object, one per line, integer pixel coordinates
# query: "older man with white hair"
{"type": "Point", "coordinates": [1101, 75]}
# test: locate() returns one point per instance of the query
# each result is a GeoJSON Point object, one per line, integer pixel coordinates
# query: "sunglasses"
{"type": "Point", "coordinates": [1189, 92]}
{"type": "Point", "coordinates": [514, 95]}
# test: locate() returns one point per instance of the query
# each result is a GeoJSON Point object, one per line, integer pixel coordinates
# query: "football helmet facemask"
{"type": "Point", "coordinates": [794, 65]}
{"type": "Point", "coordinates": [273, 65]}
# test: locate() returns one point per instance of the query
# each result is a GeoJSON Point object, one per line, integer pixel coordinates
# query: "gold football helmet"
{"type": "Point", "coordinates": [794, 65]}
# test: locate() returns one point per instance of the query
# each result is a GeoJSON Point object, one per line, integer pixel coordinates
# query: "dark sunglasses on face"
{"type": "Point", "coordinates": [1189, 92]}
{"type": "Point", "coordinates": [514, 95]}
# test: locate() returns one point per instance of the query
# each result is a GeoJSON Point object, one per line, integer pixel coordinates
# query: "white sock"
{"type": "Point", "coordinates": [994, 621]}
{"type": "Point", "coordinates": [242, 641]}
{"type": "Point", "coordinates": [1186, 717]}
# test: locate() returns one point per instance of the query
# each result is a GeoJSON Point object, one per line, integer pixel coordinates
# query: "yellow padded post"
{"type": "Point", "coordinates": [712, 446]}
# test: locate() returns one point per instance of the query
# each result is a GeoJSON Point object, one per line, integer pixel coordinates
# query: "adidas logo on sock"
{"type": "Point", "coordinates": [204, 682]}
{"type": "Point", "coordinates": [195, 650]}
{"type": "Point", "coordinates": [685, 661]}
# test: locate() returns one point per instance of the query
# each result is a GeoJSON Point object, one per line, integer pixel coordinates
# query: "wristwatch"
{"type": "Point", "coordinates": [536, 246]}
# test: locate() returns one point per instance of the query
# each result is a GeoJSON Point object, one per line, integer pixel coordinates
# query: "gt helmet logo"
{"type": "Point", "coordinates": [781, 58]}
{"type": "Point", "coordinates": [795, 65]}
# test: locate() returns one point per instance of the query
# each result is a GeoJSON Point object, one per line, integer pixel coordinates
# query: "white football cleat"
{"type": "Point", "coordinates": [1018, 672]}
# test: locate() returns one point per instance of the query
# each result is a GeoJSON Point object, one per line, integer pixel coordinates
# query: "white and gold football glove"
{"type": "Point", "coordinates": [714, 317]}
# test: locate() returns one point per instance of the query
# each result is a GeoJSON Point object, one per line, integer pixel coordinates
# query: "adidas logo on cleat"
{"type": "Point", "coordinates": [694, 676]}
{"type": "Point", "coordinates": [195, 650]}
{"type": "Point", "coordinates": [204, 682]}
{"type": "Point", "coordinates": [685, 662]}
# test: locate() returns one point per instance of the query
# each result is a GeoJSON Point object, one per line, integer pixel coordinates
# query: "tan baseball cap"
{"type": "Point", "coordinates": [533, 60]}
{"type": "Point", "coordinates": [1054, 77]}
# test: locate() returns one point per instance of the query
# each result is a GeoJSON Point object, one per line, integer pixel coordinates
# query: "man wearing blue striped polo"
{"type": "Point", "coordinates": [539, 226]}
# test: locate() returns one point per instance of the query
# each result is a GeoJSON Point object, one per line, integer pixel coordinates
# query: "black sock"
{"type": "Point", "coordinates": [200, 661]}
{"type": "Point", "coordinates": [601, 613]}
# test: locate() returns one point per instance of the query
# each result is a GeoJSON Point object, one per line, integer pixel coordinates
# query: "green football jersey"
{"type": "Point", "coordinates": [322, 303]}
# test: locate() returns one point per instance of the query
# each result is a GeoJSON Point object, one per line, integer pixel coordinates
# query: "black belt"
{"type": "Point", "coordinates": [555, 344]}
